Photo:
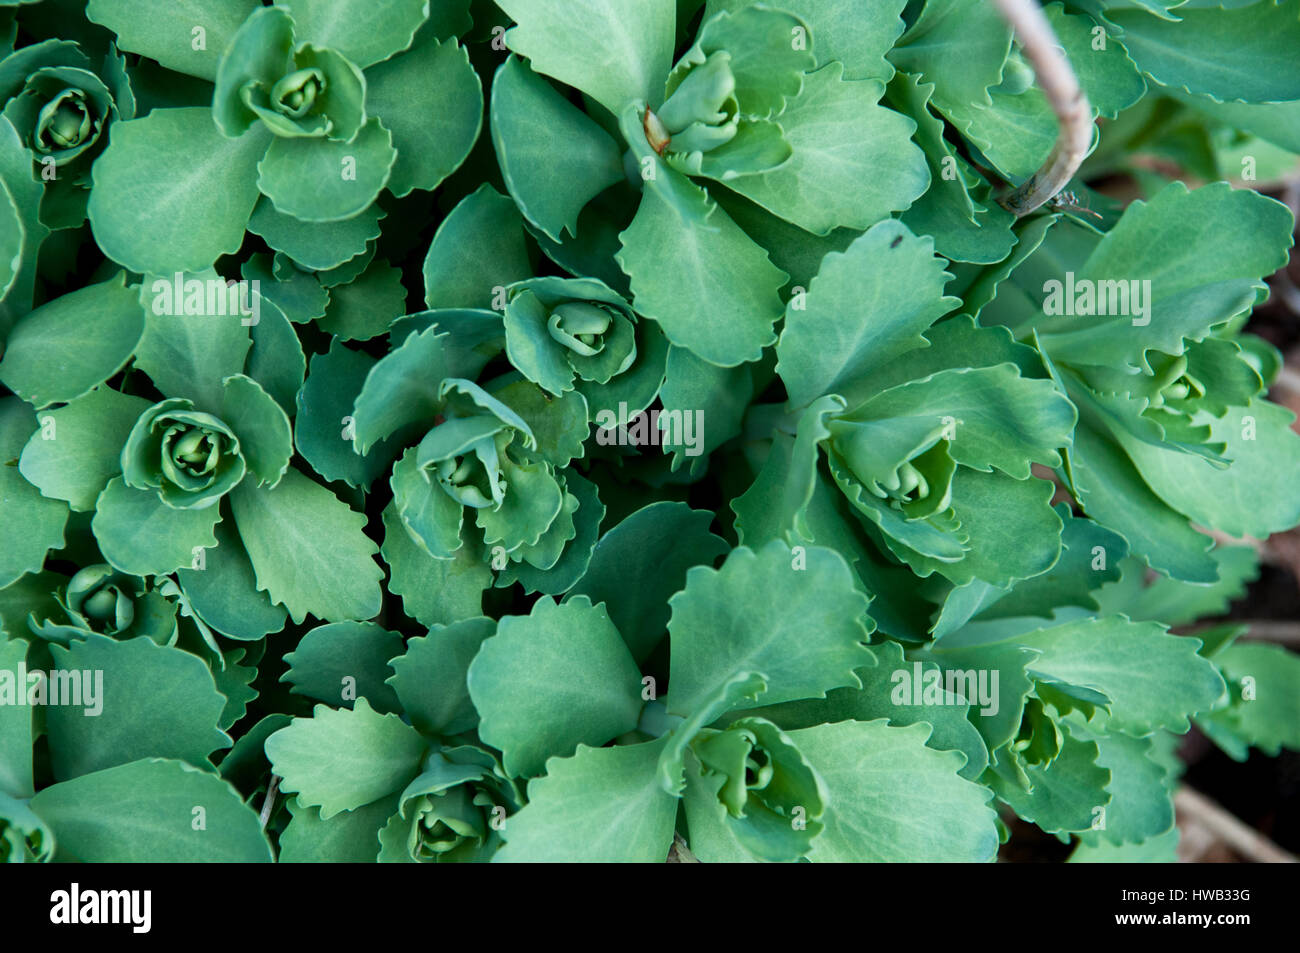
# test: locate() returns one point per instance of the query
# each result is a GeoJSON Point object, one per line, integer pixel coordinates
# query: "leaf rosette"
{"type": "Point", "coordinates": [452, 812]}
{"type": "Point", "coordinates": [295, 90]}
{"type": "Point", "coordinates": [772, 797]}
{"type": "Point", "coordinates": [191, 458]}
{"type": "Point", "coordinates": [62, 107]}
{"type": "Point", "coordinates": [559, 330]}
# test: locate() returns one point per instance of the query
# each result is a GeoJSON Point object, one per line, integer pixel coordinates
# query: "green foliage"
{"type": "Point", "coordinates": [639, 427]}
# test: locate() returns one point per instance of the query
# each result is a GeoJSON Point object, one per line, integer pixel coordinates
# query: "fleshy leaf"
{"type": "Point", "coordinates": [144, 813]}
{"type": "Point", "coordinates": [626, 816]}
{"type": "Point", "coordinates": [343, 661]}
{"type": "Point", "coordinates": [322, 180]}
{"type": "Point", "coordinates": [853, 161]}
{"type": "Point", "coordinates": [529, 120]}
{"type": "Point", "coordinates": [140, 534]}
{"type": "Point", "coordinates": [150, 700]}
{"type": "Point", "coordinates": [73, 344]}
{"type": "Point", "coordinates": [869, 768]}
{"type": "Point", "coordinates": [712, 290]}
{"type": "Point", "coordinates": [390, 26]}
{"type": "Point", "coordinates": [520, 683]}
{"type": "Point", "coordinates": [188, 36]}
{"type": "Point", "coordinates": [338, 760]}
{"type": "Point", "coordinates": [616, 51]}
{"type": "Point", "coordinates": [641, 562]}
{"type": "Point", "coordinates": [431, 677]}
{"type": "Point", "coordinates": [194, 218]}
{"type": "Point", "coordinates": [478, 247]}
{"type": "Point", "coordinates": [308, 549]}
{"type": "Point", "coordinates": [75, 459]}
{"type": "Point", "coordinates": [431, 100]}
{"type": "Point", "coordinates": [734, 619]}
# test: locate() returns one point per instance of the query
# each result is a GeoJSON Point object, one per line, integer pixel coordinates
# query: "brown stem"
{"type": "Point", "coordinates": [1066, 97]}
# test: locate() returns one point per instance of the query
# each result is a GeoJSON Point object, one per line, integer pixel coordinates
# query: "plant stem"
{"type": "Point", "coordinates": [1066, 97]}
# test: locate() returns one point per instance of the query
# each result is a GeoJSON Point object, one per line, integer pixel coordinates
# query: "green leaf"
{"type": "Point", "coordinates": [1111, 79]}
{"type": "Point", "coordinates": [1154, 850]}
{"type": "Point", "coordinates": [428, 512]}
{"type": "Point", "coordinates": [265, 439]}
{"type": "Point", "coordinates": [140, 534]}
{"type": "Point", "coordinates": [390, 25]}
{"type": "Point", "coordinates": [1253, 496]}
{"type": "Point", "coordinates": [1141, 803]}
{"type": "Point", "coordinates": [340, 760]}
{"type": "Point", "coordinates": [765, 59]}
{"type": "Point", "coordinates": [148, 700]}
{"type": "Point", "coordinates": [844, 30]}
{"type": "Point", "coordinates": [577, 553]}
{"type": "Point", "coordinates": [1153, 679]}
{"type": "Point", "coordinates": [12, 236]}
{"type": "Point", "coordinates": [1200, 274]}
{"type": "Point", "coordinates": [257, 56]}
{"type": "Point", "coordinates": [960, 46]}
{"type": "Point", "coordinates": [1173, 602]}
{"type": "Point", "coordinates": [298, 295]}
{"type": "Point", "coordinates": [314, 245]}
{"type": "Point", "coordinates": [188, 36]}
{"type": "Point", "coordinates": [880, 697]}
{"type": "Point", "coordinates": [324, 180]}
{"type": "Point", "coordinates": [640, 563]}
{"type": "Point", "coordinates": [478, 247]}
{"type": "Point", "coordinates": [616, 51]}
{"type": "Point", "coordinates": [1111, 491]}
{"type": "Point", "coordinates": [32, 524]}
{"type": "Point", "coordinates": [998, 418]}
{"type": "Point", "coordinates": [277, 361]}
{"type": "Point", "coordinates": [699, 392]}
{"type": "Point", "coordinates": [188, 347]}
{"type": "Point", "coordinates": [554, 158]}
{"type": "Point", "coordinates": [625, 816]}
{"type": "Point", "coordinates": [195, 218]}
{"type": "Point", "coordinates": [224, 592]}
{"type": "Point", "coordinates": [1241, 54]}
{"type": "Point", "coordinates": [71, 345]}
{"type": "Point", "coordinates": [866, 307]}
{"type": "Point", "coordinates": [433, 591]}
{"type": "Point", "coordinates": [343, 661]}
{"type": "Point", "coordinates": [351, 837]}
{"type": "Point", "coordinates": [308, 549]}
{"type": "Point", "coordinates": [712, 290]}
{"type": "Point", "coordinates": [1090, 556]}
{"type": "Point", "coordinates": [127, 828]}
{"type": "Point", "coordinates": [736, 618]}
{"type": "Point", "coordinates": [523, 684]}
{"type": "Point", "coordinates": [26, 192]}
{"type": "Point", "coordinates": [431, 677]}
{"type": "Point", "coordinates": [893, 799]}
{"type": "Point", "coordinates": [431, 100]}
{"type": "Point", "coordinates": [1062, 796]}
{"type": "Point", "coordinates": [16, 727]}
{"type": "Point", "coordinates": [853, 161]}
{"type": "Point", "coordinates": [75, 458]}
{"type": "Point", "coordinates": [364, 308]}
{"type": "Point", "coordinates": [321, 429]}
{"type": "Point", "coordinates": [1264, 709]}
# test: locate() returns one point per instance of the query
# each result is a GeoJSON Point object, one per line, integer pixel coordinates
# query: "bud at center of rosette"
{"type": "Point", "coordinates": [190, 457]}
